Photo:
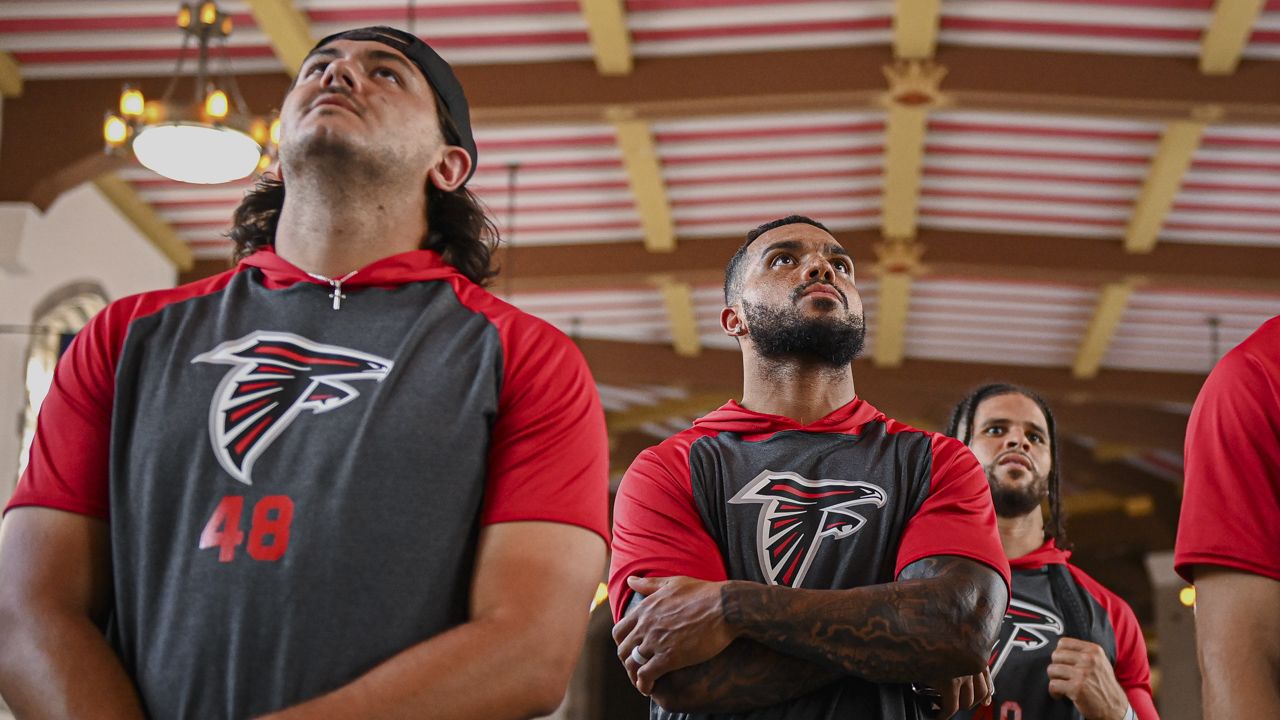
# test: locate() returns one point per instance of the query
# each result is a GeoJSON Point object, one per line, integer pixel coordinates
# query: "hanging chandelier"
{"type": "Point", "coordinates": [211, 139]}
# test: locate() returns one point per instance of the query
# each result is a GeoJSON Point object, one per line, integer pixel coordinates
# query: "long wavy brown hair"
{"type": "Point", "coordinates": [459, 228]}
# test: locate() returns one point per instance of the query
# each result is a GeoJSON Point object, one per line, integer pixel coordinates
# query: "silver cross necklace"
{"type": "Point", "coordinates": [337, 295]}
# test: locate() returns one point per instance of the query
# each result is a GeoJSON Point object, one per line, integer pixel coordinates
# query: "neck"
{"type": "Point", "coordinates": [332, 228]}
{"type": "Point", "coordinates": [1021, 535]}
{"type": "Point", "coordinates": [802, 391]}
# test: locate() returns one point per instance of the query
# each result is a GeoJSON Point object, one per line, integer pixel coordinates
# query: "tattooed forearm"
{"type": "Point", "coordinates": [746, 676]}
{"type": "Point", "coordinates": [938, 621]}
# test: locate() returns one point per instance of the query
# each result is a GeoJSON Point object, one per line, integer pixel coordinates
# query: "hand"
{"type": "Point", "coordinates": [962, 693]}
{"type": "Point", "coordinates": [680, 623]}
{"type": "Point", "coordinates": [1081, 672]}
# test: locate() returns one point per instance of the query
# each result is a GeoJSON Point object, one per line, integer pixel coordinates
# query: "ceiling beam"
{"type": "Point", "coordinates": [10, 76]}
{"type": "Point", "coordinates": [136, 210]}
{"type": "Point", "coordinates": [1227, 35]}
{"type": "Point", "coordinates": [1112, 302]}
{"type": "Point", "coordinates": [288, 30]}
{"type": "Point", "coordinates": [610, 38]}
{"type": "Point", "coordinates": [1029, 258]}
{"type": "Point", "coordinates": [644, 175]}
{"type": "Point", "coordinates": [800, 80]}
{"type": "Point", "coordinates": [1088, 262]}
{"type": "Point", "coordinates": [624, 363]}
{"type": "Point", "coordinates": [915, 28]}
{"type": "Point", "coordinates": [1178, 145]}
{"type": "Point", "coordinates": [677, 297]}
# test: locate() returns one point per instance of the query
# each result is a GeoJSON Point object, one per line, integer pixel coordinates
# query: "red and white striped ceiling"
{"type": "Point", "coordinates": [78, 38]}
{"type": "Point", "coordinates": [1058, 177]}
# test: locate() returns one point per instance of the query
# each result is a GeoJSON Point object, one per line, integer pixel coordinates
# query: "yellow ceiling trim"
{"type": "Point", "coordinates": [610, 38]}
{"type": "Point", "coordinates": [1112, 302]}
{"type": "Point", "coordinates": [10, 76]}
{"type": "Point", "coordinates": [143, 217]}
{"type": "Point", "coordinates": [915, 28]}
{"type": "Point", "coordinates": [893, 296]}
{"type": "Point", "coordinates": [1178, 144]}
{"type": "Point", "coordinates": [288, 29]}
{"type": "Point", "coordinates": [644, 174]}
{"type": "Point", "coordinates": [903, 162]}
{"type": "Point", "coordinates": [682, 315]}
{"type": "Point", "coordinates": [1227, 35]}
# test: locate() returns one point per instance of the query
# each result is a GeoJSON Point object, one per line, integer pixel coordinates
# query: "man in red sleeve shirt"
{"type": "Point", "coordinates": [340, 480]}
{"type": "Point", "coordinates": [1229, 532]}
{"type": "Point", "coordinates": [1069, 648]}
{"type": "Point", "coordinates": [799, 555]}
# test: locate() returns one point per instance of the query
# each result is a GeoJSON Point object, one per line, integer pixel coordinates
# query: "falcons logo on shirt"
{"type": "Point", "coordinates": [1026, 627]}
{"type": "Point", "coordinates": [797, 514]}
{"type": "Point", "coordinates": [275, 376]}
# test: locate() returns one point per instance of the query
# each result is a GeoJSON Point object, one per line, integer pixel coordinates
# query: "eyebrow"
{"type": "Point", "coordinates": [832, 249]}
{"type": "Point", "coordinates": [1007, 421]}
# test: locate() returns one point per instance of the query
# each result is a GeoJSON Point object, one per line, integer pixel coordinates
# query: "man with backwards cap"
{"type": "Point", "coordinates": [340, 480]}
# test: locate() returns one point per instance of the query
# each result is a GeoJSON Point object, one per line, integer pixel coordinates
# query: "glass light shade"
{"type": "Point", "coordinates": [196, 153]}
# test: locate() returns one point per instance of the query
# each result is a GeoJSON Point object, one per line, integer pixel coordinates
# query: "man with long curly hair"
{"type": "Point", "coordinates": [340, 480]}
{"type": "Point", "coordinates": [1069, 648]}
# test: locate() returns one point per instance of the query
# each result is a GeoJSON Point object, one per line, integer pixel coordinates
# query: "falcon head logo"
{"type": "Point", "coordinates": [1026, 627]}
{"type": "Point", "coordinates": [797, 514]}
{"type": "Point", "coordinates": [274, 377]}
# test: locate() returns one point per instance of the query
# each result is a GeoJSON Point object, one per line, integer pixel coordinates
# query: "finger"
{"type": "Point", "coordinates": [625, 625]}
{"type": "Point", "coordinates": [1065, 656]}
{"type": "Point", "coordinates": [1059, 689]}
{"type": "Point", "coordinates": [646, 585]}
{"type": "Point", "coordinates": [965, 699]}
{"type": "Point", "coordinates": [1075, 644]}
{"type": "Point", "coordinates": [654, 668]}
{"type": "Point", "coordinates": [949, 703]}
{"type": "Point", "coordinates": [633, 667]}
{"type": "Point", "coordinates": [989, 686]}
{"type": "Point", "coordinates": [1058, 671]}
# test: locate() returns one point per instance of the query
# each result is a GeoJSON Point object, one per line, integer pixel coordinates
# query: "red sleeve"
{"type": "Point", "coordinates": [657, 530]}
{"type": "Point", "coordinates": [957, 518]}
{"type": "Point", "coordinates": [1133, 671]}
{"type": "Point", "coordinates": [549, 454]}
{"type": "Point", "coordinates": [70, 451]}
{"type": "Point", "coordinates": [1231, 500]}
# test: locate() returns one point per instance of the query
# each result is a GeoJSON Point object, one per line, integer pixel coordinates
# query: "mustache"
{"type": "Point", "coordinates": [795, 294]}
{"type": "Point", "coordinates": [341, 91]}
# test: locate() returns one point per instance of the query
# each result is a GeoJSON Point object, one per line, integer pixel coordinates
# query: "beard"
{"type": "Point", "coordinates": [1013, 502]}
{"type": "Point", "coordinates": [780, 333]}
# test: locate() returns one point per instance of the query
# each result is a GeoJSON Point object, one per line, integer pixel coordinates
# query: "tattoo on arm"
{"type": "Point", "coordinates": [938, 620]}
{"type": "Point", "coordinates": [746, 676]}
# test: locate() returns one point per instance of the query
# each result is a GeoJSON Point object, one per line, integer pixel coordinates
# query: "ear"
{"type": "Point", "coordinates": [732, 322]}
{"type": "Point", "coordinates": [451, 170]}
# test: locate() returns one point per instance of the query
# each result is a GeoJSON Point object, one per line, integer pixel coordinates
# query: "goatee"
{"type": "Point", "coordinates": [785, 332]}
{"type": "Point", "coordinates": [1013, 502]}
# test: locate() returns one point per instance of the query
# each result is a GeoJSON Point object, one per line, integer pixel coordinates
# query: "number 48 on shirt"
{"type": "Point", "coordinates": [268, 529]}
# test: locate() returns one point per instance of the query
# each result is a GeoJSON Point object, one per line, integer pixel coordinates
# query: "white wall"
{"type": "Point", "coordinates": [82, 238]}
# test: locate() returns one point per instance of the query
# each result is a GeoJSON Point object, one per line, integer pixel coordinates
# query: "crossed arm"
{"type": "Point", "coordinates": [530, 592]}
{"type": "Point", "coordinates": [736, 645]}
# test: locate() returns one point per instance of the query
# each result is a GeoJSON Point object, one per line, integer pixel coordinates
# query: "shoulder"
{"type": "Point", "coordinates": [108, 328]}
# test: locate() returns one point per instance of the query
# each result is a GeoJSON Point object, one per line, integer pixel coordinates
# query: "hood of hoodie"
{"type": "Point", "coordinates": [1046, 554]}
{"type": "Point", "coordinates": [732, 417]}
{"type": "Point", "coordinates": [391, 271]}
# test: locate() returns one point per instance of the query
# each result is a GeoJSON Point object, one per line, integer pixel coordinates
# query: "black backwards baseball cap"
{"type": "Point", "coordinates": [434, 68]}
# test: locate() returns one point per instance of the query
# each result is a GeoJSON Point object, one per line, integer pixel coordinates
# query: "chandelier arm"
{"type": "Point", "coordinates": [177, 70]}
{"type": "Point", "coordinates": [237, 97]}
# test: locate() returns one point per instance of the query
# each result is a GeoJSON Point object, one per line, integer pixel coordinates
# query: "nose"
{"type": "Point", "coordinates": [820, 269]}
{"type": "Point", "coordinates": [340, 72]}
{"type": "Point", "coordinates": [1017, 438]}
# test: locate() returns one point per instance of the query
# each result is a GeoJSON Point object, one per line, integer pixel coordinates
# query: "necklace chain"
{"type": "Point", "coordinates": [337, 295]}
